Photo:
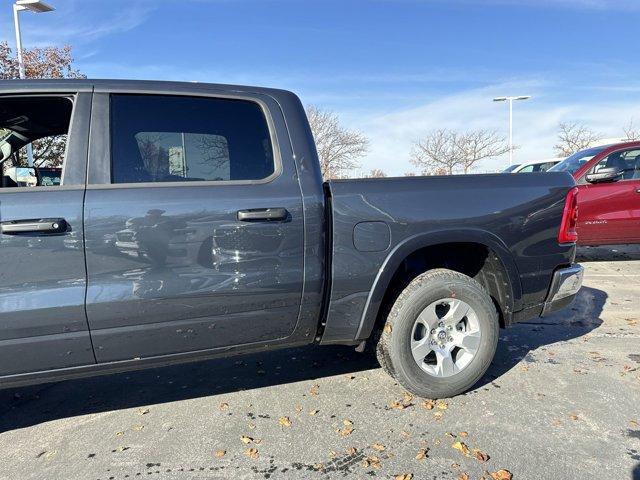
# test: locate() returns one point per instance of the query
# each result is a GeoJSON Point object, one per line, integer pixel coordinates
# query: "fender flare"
{"type": "Point", "coordinates": [422, 240]}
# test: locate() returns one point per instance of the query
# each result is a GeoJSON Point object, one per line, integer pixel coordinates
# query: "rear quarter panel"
{"type": "Point", "coordinates": [517, 216]}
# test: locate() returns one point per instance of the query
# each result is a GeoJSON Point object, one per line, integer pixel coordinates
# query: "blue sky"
{"type": "Point", "coordinates": [392, 68]}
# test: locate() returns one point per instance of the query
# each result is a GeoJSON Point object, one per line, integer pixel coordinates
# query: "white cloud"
{"type": "Point", "coordinates": [535, 124]}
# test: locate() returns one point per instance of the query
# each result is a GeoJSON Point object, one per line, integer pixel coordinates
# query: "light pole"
{"type": "Point", "coordinates": [35, 6]}
{"type": "Point", "coordinates": [510, 100]}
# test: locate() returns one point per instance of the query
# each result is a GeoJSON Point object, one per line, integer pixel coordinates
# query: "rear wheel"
{"type": "Point", "coordinates": [440, 336]}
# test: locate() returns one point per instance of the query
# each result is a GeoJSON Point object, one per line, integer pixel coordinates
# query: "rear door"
{"type": "Point", "coordinates": [42, 271]}
{"type": "Point", "coordinates": [194, 224]}
{"type": "Point", "coordinates": [609, 213]}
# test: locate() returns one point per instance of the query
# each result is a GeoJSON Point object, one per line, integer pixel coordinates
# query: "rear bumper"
{"type": "Point", "coordinates": [565, 284]}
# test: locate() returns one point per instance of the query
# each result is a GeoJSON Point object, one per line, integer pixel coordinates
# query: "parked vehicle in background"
{"type": "Point", "coordinates": [608, 179]}
{"type": "Point", "coordinates": [192, 221]}
{"type": "Point", "coordinates": [532, 167]}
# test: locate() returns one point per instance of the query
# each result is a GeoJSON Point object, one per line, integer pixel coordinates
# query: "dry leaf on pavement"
{"type": "Point", "coordinates": [372, 461]}
{"type": "Point", "coordinates": [284, 421]}
{"type": "Point", "coordinates": [461, 447]}
{"type": "Point", "coordinates": [251, 453]}
{"type": "Point", "coordinates": [314, 390]}
{"type": "Point", "coordinates": [224, 406]}
{"type": "Point", "coordinates": [422, 454]}
{"type": "Point", "coordinates": [480, 455]}
{"type": "Point", "coordinates": [378, 446]}
{"type": "Point", "coordinates": [220, 453]}
{"type": "Point", "coordinates": [246, 440]}
{"type": "Point", "coordinates": [404, 476]}
{"type": "Point", "coordinates": [501, 475]}
{"type": "Point", "coordinates": [429, 404]}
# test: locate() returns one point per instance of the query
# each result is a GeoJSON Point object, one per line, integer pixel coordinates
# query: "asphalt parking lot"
{"type": "Point", "coordinates": [561, 400]}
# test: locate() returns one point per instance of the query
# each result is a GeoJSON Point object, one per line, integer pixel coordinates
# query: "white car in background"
{"type": "Point", "coordinates": [532, 167]}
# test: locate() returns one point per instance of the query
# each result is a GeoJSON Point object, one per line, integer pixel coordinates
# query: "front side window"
{"type": "Point", "coordinates": [573, 163]}
{"type": "Point", "coordinates": [158, 138]}
{"type": "Point", "coordinates": [626, 161]}
{"type": "Point", "coordinates": [38, 123]}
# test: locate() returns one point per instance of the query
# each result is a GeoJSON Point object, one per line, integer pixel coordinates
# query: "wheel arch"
{"type": "Point", "coordinates": [506, 292]}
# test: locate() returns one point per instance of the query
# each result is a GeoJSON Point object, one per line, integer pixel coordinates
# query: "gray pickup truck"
{"type": "Point", "coordinates": [190, 221]}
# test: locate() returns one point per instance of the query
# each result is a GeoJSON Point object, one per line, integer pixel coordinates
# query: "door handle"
{"type": "Point", "coordinates": [43, 225]}
{"type": "Point", "coordinates": [263, 214]}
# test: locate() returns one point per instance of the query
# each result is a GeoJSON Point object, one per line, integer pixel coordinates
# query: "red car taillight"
{"type": "Point", "coordinates": [568, 232]}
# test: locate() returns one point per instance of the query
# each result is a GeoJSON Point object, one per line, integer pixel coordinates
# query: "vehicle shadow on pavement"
{"type": "Point", "coordinates": [517, 343]}
{"type": "Point", "coordinates": [609, 253]}
{"type": "Point", "coordinates": [28, 406]}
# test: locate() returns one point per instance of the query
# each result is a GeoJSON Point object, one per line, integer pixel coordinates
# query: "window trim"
{"type": "Point", "coordinates": [80, 101]}
{"type": "Point", "coordinates": [106, 117]}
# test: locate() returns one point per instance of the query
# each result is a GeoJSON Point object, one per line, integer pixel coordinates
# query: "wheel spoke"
{"type": "Point", "coordinates": [428, 316]}
{"type": "Point", "coordinates": [445, 364]}
{"type": "Point", "coordinates": [457, 311]}
{"type": "Point", "coordinates": [420, 349]}
{"type": "Point", "coordinates": [469, 341]}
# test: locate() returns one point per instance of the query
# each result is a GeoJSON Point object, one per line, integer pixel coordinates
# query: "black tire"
{"type": "Point", "coordinates": [393, 348]}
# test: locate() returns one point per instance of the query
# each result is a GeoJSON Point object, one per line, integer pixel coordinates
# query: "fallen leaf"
{"type": "Point", "coordinates": [318, 466]}
{"type": "Point", "coordinates": [143, 411]}
{"type": "Point", "coordinates": [429, 404]}
{"type": "Point", "coordinates": [351, 451]}
{"type": "Point", "coordinates": [634, 423]}
{"type": "Point", "coordinates": [347, 422]}
{"type": "Point", "coordinates": [314, 390]}
{"type": "Point", "coordinates": [404, 476]}
{"type": "Point", "coordinates": [298, 408]}
{"type": "Point", "coordinates": [284, 421]}
{"type": "Point", "coordinates": [501, 475]}
{"type": "Point", "coordinates": [138, 427]}
{"type": "Point", "coordinates": [461, 447]}
{"type": "Point", "coordinates": [224, 406]}
{"type": "Point", "coordinates": [251, 453]}
{"type": "Point", "coordinates": [573, 416]}
{"type": "Point", "coordinates": [379, 447]}
{"type": "Point", "coordinates": [438, 415]}
{"type": "Point", "coordinates": [246, 440]}
{"type": "Point", "coordinates": [346, 431]}
{"type": "Point", "coordinates": [313, 412]}
{"type": "Point", "coordinates": [387, 328]}
{"type": "Point", "coordinates": [119, 434]}
{"type": "Point", "coordinates": [252, 426]}
{"type": "Point", "coordinates": [464, 434]}
{"type": "Point", "coordinates": [480, 455]}
{"type": "Point", "coordinates": [463, 476]}
{"type": "Point", "coordinates": [220, 453]}
{"type": "Point", "coordinates": [371, 461]}
{"type": "Point", "coordinates": [122, 448]}
{"type": "Point", "coordinates": [422, 454]}
{"type": "Point", "coordinates": [442, 405]}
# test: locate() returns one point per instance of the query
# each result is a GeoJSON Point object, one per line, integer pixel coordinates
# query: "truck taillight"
{"type": "Point", "coordinates": [568, 232]}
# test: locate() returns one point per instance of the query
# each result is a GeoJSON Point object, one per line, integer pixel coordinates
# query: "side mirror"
{"type": "Point", "coordinates": [604, 175]}
{"type": "Point", "coordinates": [20, 177]}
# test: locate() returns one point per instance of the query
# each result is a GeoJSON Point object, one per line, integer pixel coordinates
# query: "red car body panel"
{"type": "Point", "coordinates": [608, 213]}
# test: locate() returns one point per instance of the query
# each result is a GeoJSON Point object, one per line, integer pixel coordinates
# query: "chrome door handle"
{"type": "Point", "coordinates": [43, 225]}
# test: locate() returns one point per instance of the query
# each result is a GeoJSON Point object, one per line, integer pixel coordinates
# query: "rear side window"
{"type": "Point", "coordinates": [156, 138]}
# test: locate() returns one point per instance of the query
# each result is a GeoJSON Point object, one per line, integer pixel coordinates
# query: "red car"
{"type": "Point", "coordinates": [608, 179]}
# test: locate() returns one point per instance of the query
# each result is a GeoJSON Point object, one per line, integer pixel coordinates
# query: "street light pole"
{"type": "Point", "coordinates": [510, 100]}
{"type": "Point", "coordinates": [35, 6]}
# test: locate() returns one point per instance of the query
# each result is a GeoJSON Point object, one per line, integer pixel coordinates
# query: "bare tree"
{"type": "Point", "coordinates": [478, 145]}
{"type": "Point", "coordinates": [47, 62]}
{"type": "Point", "coordinates": [376, 173]}
{"type": "Point", "coordinates": [573, 137]}
{"type": "Point", "coordinates": [338, 148]}
{"type": "Point", "coordinates": [409, 174]}
{"type": "Point", "coordinates": [631, 131]}
{"type": "Point", "coordinates": [444, 152]}
{"type": "Point", "coordinates": [437, 151]}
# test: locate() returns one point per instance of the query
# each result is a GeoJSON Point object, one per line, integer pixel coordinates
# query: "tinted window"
{"type": "Point", "coordinates": [626, 161]}
{"type": "Point", "coordinates": [178, 139]}
{"type": "Point", "coordinates": [41, 123]}
{"type": "Point", "coordinates": [573, 163]}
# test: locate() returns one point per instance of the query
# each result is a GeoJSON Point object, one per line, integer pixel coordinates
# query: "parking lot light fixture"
{"type": "Point", "coordinates": [35, 6]}
{"type": "Point", "coordinates": [511, 100]}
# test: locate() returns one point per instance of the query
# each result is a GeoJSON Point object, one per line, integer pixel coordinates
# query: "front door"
{"type": "Point", "coordinates": [194, 228]}
{"type": "Point", "coordinates": [609, 213]}
{"type": "Point", "coordinates": [42, 271]}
